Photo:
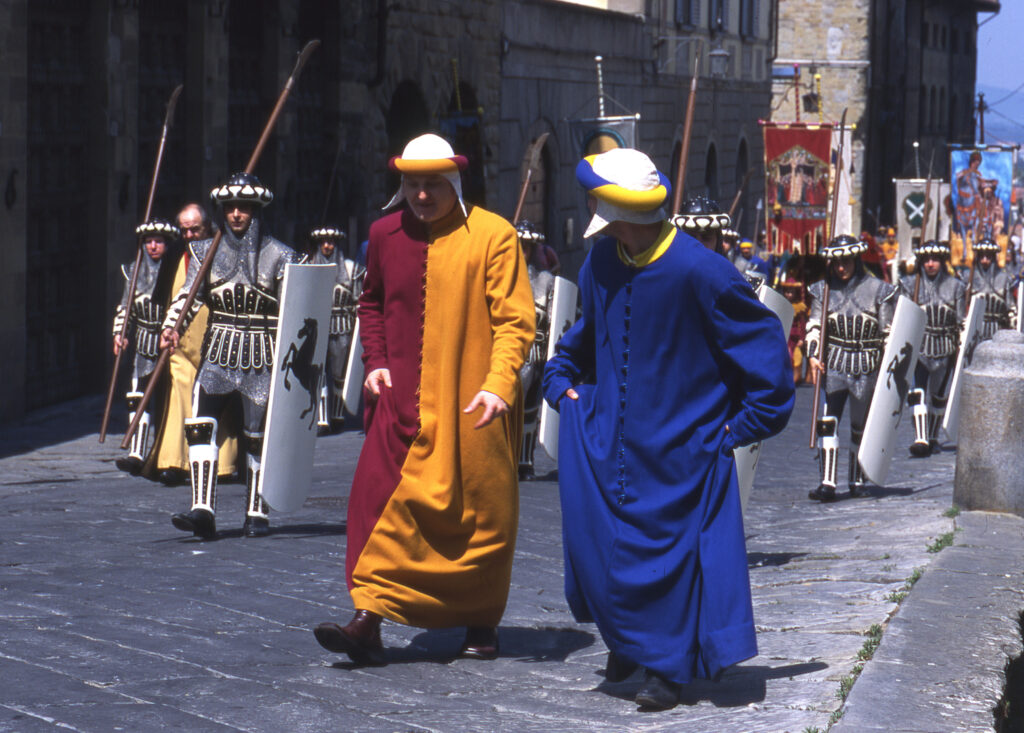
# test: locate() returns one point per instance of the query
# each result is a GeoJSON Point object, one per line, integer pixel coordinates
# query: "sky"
{"type": "Point", "coordinates": [999, 43]}
{"type": "Point", "coordinates": [999, 72]}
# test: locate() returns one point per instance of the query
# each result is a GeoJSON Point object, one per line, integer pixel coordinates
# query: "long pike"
{"type": "Point", "coordinates": [819, 379]}
{"type": "Point", "coordinates": [204, 268]}
{"type": "Point", "coordinates": [684, 149]}
{"type": "Point", "coordinates": [168, 119]}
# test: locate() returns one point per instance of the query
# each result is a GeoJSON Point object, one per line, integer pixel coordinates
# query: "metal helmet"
{"type": "Point", "coordinates": [700, 214]}
{"type": "Point", "coordinates": [932, 247]}
{"type": "Point", "coordinates": [844, 245]}
{"type": "Point", "coordinates": [528, 232]}
{"type": "Point", "coordinates": [985, 245]}
{"type": "Point", "coordinates": [159, 227]}
{"type": "Point", "coordinates": [243, 188]}
{"type": "Point", "coordinates": [327, 233]}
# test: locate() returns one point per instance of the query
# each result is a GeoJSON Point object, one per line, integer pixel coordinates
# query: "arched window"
{"type": "Point", "coordinates": [711, 172]}
{"type": "Point", "coordinates": [407, 117]}
{"type": "Point", "coordinates": [463, 128]}
{"type": "Point", "coordinates": [744, 216]}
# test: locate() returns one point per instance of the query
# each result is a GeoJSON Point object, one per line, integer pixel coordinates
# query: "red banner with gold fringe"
{"type": "Point", "coordinates": [797, 160]}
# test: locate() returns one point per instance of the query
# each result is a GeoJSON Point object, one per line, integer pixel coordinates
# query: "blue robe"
{"type": "Point", "coordinates": [675, 363]}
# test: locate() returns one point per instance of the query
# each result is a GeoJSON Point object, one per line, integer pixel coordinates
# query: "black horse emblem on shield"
{"type": "Point", "coordinates": [898, 373]}
{"type": "Point", "coordinates": [298, 362]}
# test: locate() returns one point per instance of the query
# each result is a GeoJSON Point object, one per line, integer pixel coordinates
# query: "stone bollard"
{"type": "Point", "coordinates": [990, 453]}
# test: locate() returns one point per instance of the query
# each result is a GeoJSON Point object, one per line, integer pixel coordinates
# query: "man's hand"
{"type": "Point", "coordinates": [817, 369]}
{"type": "Point", "coordinates": [169, 339]}
{"type": "Point", "coordinates": [120, 344]}
{"type": "Point", "coordinates": [377, 380]}
{"type": "Point", "coordinates": [572, 394]}
{"type": "Point", "coordinates": [492, 404]}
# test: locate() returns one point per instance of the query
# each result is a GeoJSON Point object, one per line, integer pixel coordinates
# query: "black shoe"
{"type": "Point", "coordinates": [199, 522]}
{"type": "Point", "coordinates": [323, 430]}
{"type": "Point", "coordinates": [256, 527]}
{"type": "Point", "coordinates": [172, 477]}
{"type": "Point", "coordinates": [657, 693]}
{"type": "Point", "coordinates": [823, 493]}
{"type": "Point", "coordinates": [360, 639]}
{"type": "Point", "coordinates": [617, 669]}
{"type": "Point", "coordinates": [129, 464]}
{"type": "Point", "coordinates": [481, 642]}
{"type": "Point", "coordinates": [920, 450]}
{"type": "Point", "coordinates": [935, 445]}
{"type": "Point", "coordinates": [858, 490]}
{"type": "Point", "coordinates": [526, 473]}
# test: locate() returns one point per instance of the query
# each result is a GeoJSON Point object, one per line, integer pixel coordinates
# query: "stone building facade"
{"type": "Point", "coordinates": [84, 86]}
{"type": "Point", "coordinates": [903, 69]}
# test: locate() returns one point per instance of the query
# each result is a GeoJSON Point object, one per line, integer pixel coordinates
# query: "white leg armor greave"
{"type": "Point", "coordinates": [137, 447]}
{"type": "Point", "coordinates": [201, 436]}
{"type": "Point", "coordinates": [254, 504]}
{"type": "Point", "coordinates": [828, 450]}
{"type": "Point", "coordinates": [321, 406]}
{"type": "Point", "coordinates": [856, 474]}
{"type": "Point", "coordinates": [921, 446]}
{"type": "Point", "coordinates": [337, 403]}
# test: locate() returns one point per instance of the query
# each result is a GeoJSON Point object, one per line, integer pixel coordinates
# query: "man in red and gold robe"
{"type": "Point", "coordinates": [446, 319]}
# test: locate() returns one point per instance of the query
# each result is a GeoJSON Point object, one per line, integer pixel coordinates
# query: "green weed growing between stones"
{"type": "Point", "coordinates": [897, 596]}
{"type": "Point", "coordinates": [944, 540]}
{"type": "Point", "coordinates": [952, 512]}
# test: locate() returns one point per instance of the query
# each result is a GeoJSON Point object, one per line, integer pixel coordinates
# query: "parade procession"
{"type": "Point", "coordinates": [550, 365]}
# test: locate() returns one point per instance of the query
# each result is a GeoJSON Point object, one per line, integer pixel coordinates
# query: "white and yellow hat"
{"type": "Point", "coordinates": [429, 154]}
{"type": "Point", "coordinates": [627, 185]}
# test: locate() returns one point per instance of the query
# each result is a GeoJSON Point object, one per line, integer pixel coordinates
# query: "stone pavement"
{"type": "Point", "coordinates": [113, 620]}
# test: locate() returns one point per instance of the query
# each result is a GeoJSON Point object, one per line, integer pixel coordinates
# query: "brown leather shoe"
{"type": "Point", "coordinates": [360, 639]}
{"type": "Point", "coordinates": [481, 643]}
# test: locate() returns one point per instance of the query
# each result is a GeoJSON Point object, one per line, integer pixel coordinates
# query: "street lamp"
{"type": "Point", "coordinates": [719, 59]}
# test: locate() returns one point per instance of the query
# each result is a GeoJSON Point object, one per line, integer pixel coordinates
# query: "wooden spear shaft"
{"type": "Point", "coordinates": [823, 335]}
{"type": "Point", "coordinates": [168, 119]}
{"type": "Point", "coordinates": [684, 148]}
{"type": "Point", "coordinates": [204, 267]}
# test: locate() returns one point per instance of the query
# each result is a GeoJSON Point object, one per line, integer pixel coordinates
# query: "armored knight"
{"type": "Point", "coordinates": [993, 283]}
{"type": "Point", "coordinates": [542, 283]}
{"type": "Point", "coordinates": [241, 289]}
{"type": "Point", "coordinates": [860, 312]}
{"type": "Point", "coordinates": [943, 298]}
{"type": "Point", "coordinates": [152, 291]}
{"type": "Point", "coordinates": [348, 285]}
{"type": "Point", "coordinates": [704, 220]}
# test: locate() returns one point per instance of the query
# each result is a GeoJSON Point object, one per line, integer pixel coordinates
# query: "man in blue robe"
{"type": "Point", "coordinates": [672, 364]}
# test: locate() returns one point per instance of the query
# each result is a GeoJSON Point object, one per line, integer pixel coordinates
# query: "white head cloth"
{"type": "Point", "coordinates": [430, 147]}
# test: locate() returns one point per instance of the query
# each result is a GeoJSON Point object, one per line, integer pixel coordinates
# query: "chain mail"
{"type": "Point", "coordinates": [993, 284]}
{"type": "Point", "coordinates": [860, 313]}
{"type": "Point", "coordinates": [942, 298]}
{"type": "Point", "coordinates": [348, 285]}
{"type": "Point", "coordinates": [147, 315]}
{"type": "Point", "coordinates": [241, 290]}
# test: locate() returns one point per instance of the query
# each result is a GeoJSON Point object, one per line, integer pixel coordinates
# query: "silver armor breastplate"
{"type": "Point", "coordinates": [149, 318]}
{"type": "Point", "coordinates": [243, 321]}
{"type": "Point", "coordinates": [855, 343]}
{"type": "Point", "coordinates": [941, 331]}
{"type": "Point", "coordinates": [343, 309]}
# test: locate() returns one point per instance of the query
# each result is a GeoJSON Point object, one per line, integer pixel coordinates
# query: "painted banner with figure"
{"type": "Point", "coordinates": [796, 160]}
{"type": "Point", "coordinates": [982, 182]}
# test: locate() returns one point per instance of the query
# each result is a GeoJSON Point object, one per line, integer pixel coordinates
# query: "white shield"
{"type": "Point", "coordinates": [290, 433]}
{"type": "Point", "coordinates": [353, 388]}
{"type": "Point", "coordinates": [1020, 307]}
{"type": "Point", "coordinates": [746, 457]}
{"type": "Point", "coordinates": [563, 315]}
{"type": "Point", "coordinates": [969, 340]}
{"type": "Point", "coordinates": [894, 378]}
